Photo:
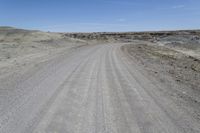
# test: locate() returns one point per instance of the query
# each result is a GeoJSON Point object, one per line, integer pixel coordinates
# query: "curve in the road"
{"type": "Point", "coordinates": [94, 89]}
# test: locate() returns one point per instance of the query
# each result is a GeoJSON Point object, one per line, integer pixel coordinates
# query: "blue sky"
{"type": "Point", "coordinates": [100, 15]}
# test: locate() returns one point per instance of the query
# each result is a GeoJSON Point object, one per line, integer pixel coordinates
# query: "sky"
{"type": "Point", "coordinates": [100, 15]}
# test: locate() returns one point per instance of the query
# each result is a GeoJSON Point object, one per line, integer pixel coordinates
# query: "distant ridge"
{"type": "Point", "coordinates": [125, 32]}
{"type": "Point", "coordinates": [6, 27]}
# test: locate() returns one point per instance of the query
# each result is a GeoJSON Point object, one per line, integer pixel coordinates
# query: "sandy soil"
{"type": "Point", "coordinates": [21, 49]}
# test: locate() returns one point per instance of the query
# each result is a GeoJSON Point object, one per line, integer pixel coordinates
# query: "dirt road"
{"type": "Point", "coordinates": [93, 89]}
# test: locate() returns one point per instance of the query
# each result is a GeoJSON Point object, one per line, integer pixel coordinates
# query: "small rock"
{"type": "Point", "coordinates": [184, 92]}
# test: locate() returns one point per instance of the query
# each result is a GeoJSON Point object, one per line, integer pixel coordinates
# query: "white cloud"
{"type": "Point", "coordinates": [178, 6]}
{"type": "Point", "coordinates": [121, 20]}
{"type": "Point", "coordinates": [85, 25]}
{"type": "Point", "coordinates": [122, 2]}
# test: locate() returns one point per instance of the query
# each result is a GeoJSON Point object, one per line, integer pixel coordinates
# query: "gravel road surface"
{"type": "Point", "coordinates": [93, 89]}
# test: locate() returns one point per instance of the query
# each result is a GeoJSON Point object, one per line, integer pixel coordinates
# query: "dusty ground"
{"type": "Point", "coordinates": [21, 49]}
{"type": "Point", "coordinates": [183, 68]}
{"type": "Point", "coordinates": [178, 71]}
{"type": "Point", "coordinates": [99, 82]}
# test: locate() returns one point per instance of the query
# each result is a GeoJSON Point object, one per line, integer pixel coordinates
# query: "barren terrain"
{"type": "Point", "coordinates": [141, 82]}
{"type": "Point", "coordinates": [19, 48]}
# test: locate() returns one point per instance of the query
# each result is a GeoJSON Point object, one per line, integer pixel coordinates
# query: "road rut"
{"type": "Point", "coordinates": [93, 89]}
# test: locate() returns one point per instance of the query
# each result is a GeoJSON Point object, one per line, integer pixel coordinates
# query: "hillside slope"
{"type": "Point", "coordinates": [20, 47]}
